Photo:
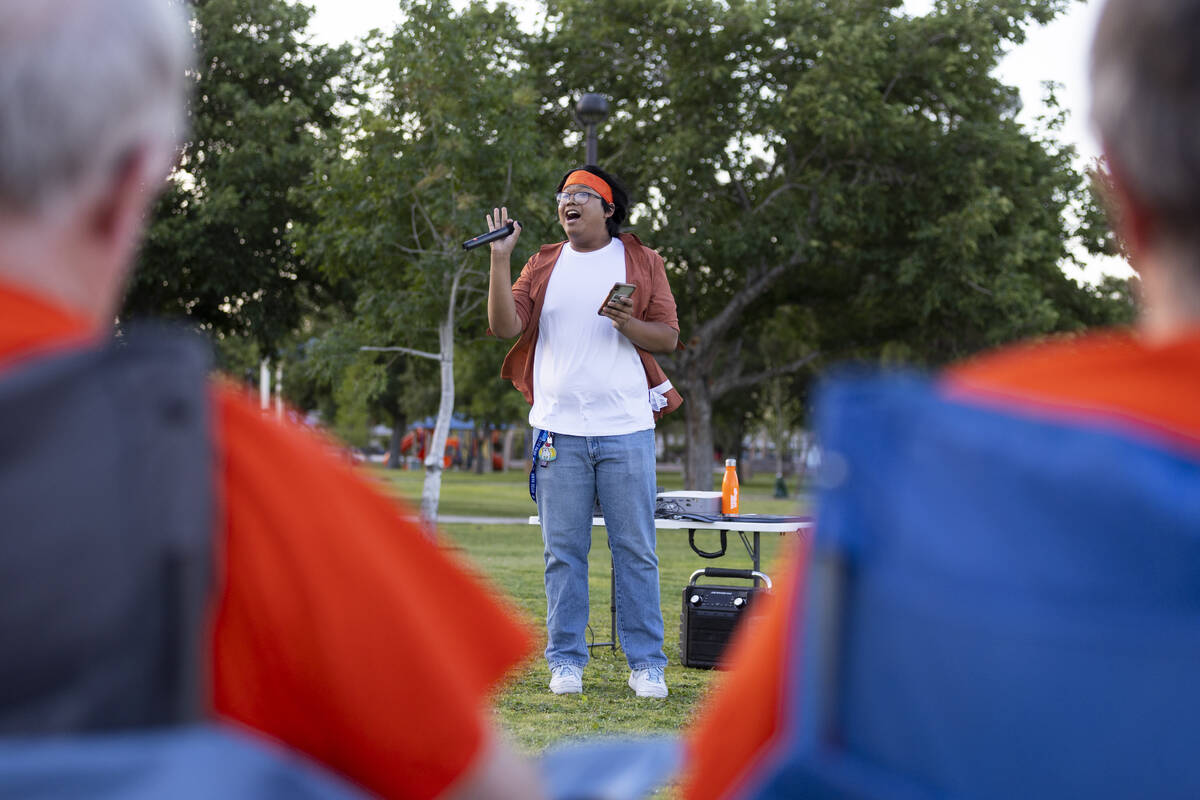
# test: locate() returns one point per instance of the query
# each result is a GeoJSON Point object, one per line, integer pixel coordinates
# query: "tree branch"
{"type": "Point", "coordinates": [412, 251]}
{"type": "Point", "coordinates": [715, 328]}
{"type": "Point", "coordinates": [771, 197]}
{"type": "Point", "coordinates": [730, 383]}
{"type": "Point", "coordinates": [408, 350]}
{"type": "Point", "coordinates": [743, 197]}
{"type": "Point", "coordinates": [412, 215]}
{"type": "Point", "coordinates": [979, 288]}
{"type": "Point", "coordinates": [891, 85]}
{"type": "Point", "coordinates": [429, 222]}
{"type": "Point", "coordinates": [472, 304]}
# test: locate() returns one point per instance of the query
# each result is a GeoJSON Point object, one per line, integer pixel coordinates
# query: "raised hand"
{"type": "Point", "coordinates": [498, 219]}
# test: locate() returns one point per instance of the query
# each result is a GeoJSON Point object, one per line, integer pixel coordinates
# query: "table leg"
{"type": "Point", "coordinates": [612, 601]}
{"type": "Point", "coordinates": [757, 553]}
{"type": "Point", "coordinates": [612, 609]}
{"type": "Point", "coordinates": [751, 549]}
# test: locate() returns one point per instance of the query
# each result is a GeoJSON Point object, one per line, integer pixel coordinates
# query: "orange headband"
{"type": "Point", "coordinates": [582, 176]}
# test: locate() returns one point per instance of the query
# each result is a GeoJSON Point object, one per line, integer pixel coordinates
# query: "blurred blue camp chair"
{"type": "Point", "coordinates": [105, 585]}
{"type": "Point", "coordinates": [195, 762]}
{"type": "Point", "coordinates": [609, 769]}
{"type": "Point", "coordinates": [996, 607]}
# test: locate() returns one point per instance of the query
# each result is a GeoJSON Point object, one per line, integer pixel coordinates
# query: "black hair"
{"type": "Point", "coordinates": [620, 203]}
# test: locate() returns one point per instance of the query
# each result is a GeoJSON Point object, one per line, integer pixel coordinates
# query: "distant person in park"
{"type": "Point", "coordinates": [595, 391]}
{"type": "Point", "coordinates": [168, 554]}
{"type": "Point", "coordinates": [1092, 628]}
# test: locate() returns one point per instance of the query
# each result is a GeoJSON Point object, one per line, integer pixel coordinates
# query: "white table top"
{"type": "Point", "coordinates": [724, 525]}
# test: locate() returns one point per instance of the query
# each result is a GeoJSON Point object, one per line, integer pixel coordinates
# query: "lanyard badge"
{"type": "Point", "coordinates": [547, 453]}
{"type": "Point", "coordinates": [544, 453]}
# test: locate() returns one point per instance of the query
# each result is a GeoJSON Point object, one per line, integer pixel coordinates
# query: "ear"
{"type": "Point", "coordinates": [116, 214]}
{"type": "Point", "coordinates": [110, 223]}
{"type": "Point", "coordinates": [1130, 218]}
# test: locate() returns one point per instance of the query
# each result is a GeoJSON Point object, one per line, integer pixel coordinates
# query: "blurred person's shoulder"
{"type": "Point", "coordinates": [1104, 376]}
{"type": "Point", "coordinates": [1047, 363]}
{"type": "Point", "coordinates": [33, 327]}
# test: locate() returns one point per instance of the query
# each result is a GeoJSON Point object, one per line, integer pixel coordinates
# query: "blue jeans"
{"type": "Point", "coordinates": [619, 470]}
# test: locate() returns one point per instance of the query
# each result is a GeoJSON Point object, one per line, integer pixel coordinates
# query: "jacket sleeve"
{"type": "Point", "coordinates": [521, 292]}
{"type": "Point", "coordinates": [661, 306]}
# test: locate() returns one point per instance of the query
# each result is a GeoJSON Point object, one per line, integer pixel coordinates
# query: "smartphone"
{"type": "Point", "coordinates": [617, 290]}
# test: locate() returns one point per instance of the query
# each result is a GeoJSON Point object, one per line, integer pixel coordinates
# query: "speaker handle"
{"type": "Point", "coordinates": [723, 572]}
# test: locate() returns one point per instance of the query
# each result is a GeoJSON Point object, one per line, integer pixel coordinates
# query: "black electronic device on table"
{"type": "Point", "coordinates": [711, 613]}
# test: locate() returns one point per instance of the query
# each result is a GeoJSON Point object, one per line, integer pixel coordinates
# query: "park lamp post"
{"type": "Point", "coordinates": [590, 111]}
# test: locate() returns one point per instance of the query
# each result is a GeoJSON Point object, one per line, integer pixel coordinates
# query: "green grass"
{"type": "Point", "coordinates": [510, 556]}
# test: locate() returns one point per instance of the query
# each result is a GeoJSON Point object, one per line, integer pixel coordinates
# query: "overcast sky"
{"type": "Point", "coordinates": [1057, 52]}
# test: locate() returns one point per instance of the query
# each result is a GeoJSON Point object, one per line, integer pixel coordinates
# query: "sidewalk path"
{"type": "Point", "coordinates": [452, 519]}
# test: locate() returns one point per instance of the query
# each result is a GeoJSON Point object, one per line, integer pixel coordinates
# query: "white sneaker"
{"type": "Point", "coordinates": [566, 679]}
{"type": "Point", "coordinates": [648, 682]}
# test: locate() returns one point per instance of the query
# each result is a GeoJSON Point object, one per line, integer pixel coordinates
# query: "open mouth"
{"type": "Point", "coordinates": [571, 214]}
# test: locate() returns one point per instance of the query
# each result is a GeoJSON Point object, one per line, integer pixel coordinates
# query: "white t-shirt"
{"type": "Point", "coordinates": [588, 379]}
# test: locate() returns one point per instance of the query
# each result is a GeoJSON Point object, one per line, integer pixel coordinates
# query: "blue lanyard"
{"type": "Point", "coordinates": [541, 440]}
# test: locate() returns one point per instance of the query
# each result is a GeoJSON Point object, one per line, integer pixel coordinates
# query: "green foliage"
{"type": "Point", "coordinates": [443, 140]}
{"type": "Point", "coordinates": [218, 252]}
{"type": "Point", "coordinates": [355, 389]}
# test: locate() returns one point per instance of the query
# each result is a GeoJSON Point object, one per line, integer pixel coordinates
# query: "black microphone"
{"type": "Point", "coordinates": [490, 236]}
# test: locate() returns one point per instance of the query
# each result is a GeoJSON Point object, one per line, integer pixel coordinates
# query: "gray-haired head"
{"type": "Point", "coordinates": [1146, 106]}
{"type": "Point", "coordinates": [85, 84]}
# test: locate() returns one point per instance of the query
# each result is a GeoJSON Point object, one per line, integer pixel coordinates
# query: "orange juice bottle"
{"type": "Point", "coordinates": [729, 488]}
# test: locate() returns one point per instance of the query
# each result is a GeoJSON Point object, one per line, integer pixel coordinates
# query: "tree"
{"type": "Point", "coordinates": [353, 388]}
{"type": "Point", "coordinates": [218, 251]}
{"type": "Point", "coordinates": [451, 132]}
{"type": "Point", "coordinates": [778, 403]}
{"type": "Point", "coordinates": [847, 158]}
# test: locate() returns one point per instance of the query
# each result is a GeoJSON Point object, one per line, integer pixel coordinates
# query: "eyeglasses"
{"type": "Point", "coordinates": [579, 198]}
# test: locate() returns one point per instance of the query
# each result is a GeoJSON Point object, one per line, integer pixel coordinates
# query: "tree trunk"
{"type": "Point", "coordinates": [781, 443]}
{"type": "Point", "coordinates": [698, 459]}
{"type": "Point", "coordinates": [738, 451]}
{"type": "Point", "coordinates": [399, 423]}
{"type": "Point", "coordinates": [431, 491]}
{"type": "Point", "coordinates": [782, 427]}
{"type": "Point", "coordinates": [478, 437]}
{"type": "Point", "coordinates": [279, 389]}
{"type": "Point", "coordinates": [509, 437]}
{"type": "Point", "coordinates": [264, 384]}
{"type": "Point", "coordinates": [800, 459]}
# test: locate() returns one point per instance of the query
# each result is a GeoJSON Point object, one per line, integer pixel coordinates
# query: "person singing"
{"type": "Point", "coordinates": [595, 391]}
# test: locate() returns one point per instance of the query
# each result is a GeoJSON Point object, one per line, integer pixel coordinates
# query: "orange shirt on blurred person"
{"type": "Point", "coordinates": [338, 627]}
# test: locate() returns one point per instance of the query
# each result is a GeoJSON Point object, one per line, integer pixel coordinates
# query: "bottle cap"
{"type": "Point", "coordinates": [731, 462]}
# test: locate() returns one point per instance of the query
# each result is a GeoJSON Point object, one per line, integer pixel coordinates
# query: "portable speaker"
{"type": "Point", "coordinates": [711, 614]}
